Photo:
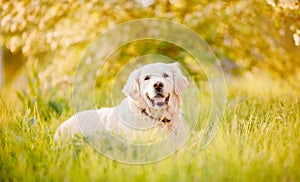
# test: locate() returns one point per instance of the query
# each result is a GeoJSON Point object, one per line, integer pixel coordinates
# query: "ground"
{"type": "Point", "coordinates": [258, 140]}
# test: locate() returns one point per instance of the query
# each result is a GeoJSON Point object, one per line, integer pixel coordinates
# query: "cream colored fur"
{"type": "Point", "coordinates": [136, 118]}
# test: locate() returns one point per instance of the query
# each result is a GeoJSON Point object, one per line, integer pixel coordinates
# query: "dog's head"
{"type": "Point", "coordinates": [157, 85]}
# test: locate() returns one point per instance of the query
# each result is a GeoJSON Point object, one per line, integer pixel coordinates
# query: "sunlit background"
{"type": "Point", "coordinates": [245, 35]}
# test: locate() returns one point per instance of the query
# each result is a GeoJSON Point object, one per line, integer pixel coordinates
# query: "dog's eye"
{"type": "Point", "coordinates": [166, 75]}
{"type": "Point", "coordinates": [147, 78]}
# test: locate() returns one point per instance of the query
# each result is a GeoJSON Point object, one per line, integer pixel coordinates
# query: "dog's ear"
{"type": "Point", "coordinates": [180, 81]}
{"type": "Point", "coordinates": [132, 87]}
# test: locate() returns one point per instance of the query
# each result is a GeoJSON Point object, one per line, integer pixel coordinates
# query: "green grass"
{"type": "Point", "coordinates": [259, 140]}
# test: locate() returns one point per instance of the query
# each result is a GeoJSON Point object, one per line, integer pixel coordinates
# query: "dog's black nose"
{"type": "Point", "coordinates": [158, 85]}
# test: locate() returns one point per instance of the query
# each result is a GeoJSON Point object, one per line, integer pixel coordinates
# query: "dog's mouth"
{"type": "Point", "coordinates": [159, 99]}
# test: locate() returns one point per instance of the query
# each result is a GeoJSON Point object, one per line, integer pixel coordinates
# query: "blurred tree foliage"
{"type": "Point", "coordinates": [253, 34]}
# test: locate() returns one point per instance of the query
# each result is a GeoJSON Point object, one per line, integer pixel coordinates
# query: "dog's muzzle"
{"type": "Point", "coordinates": [159, 100]}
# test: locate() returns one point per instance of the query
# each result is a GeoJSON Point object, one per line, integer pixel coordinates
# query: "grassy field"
{"type": "Point", "coordinates": [259, 140]}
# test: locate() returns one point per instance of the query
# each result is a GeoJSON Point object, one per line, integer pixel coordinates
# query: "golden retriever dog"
{"type": "Point", "coordinates": [151, 109]}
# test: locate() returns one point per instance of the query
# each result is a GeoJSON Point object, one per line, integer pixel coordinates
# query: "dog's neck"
{"type": "Point", "coordinates": [162, 119]}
